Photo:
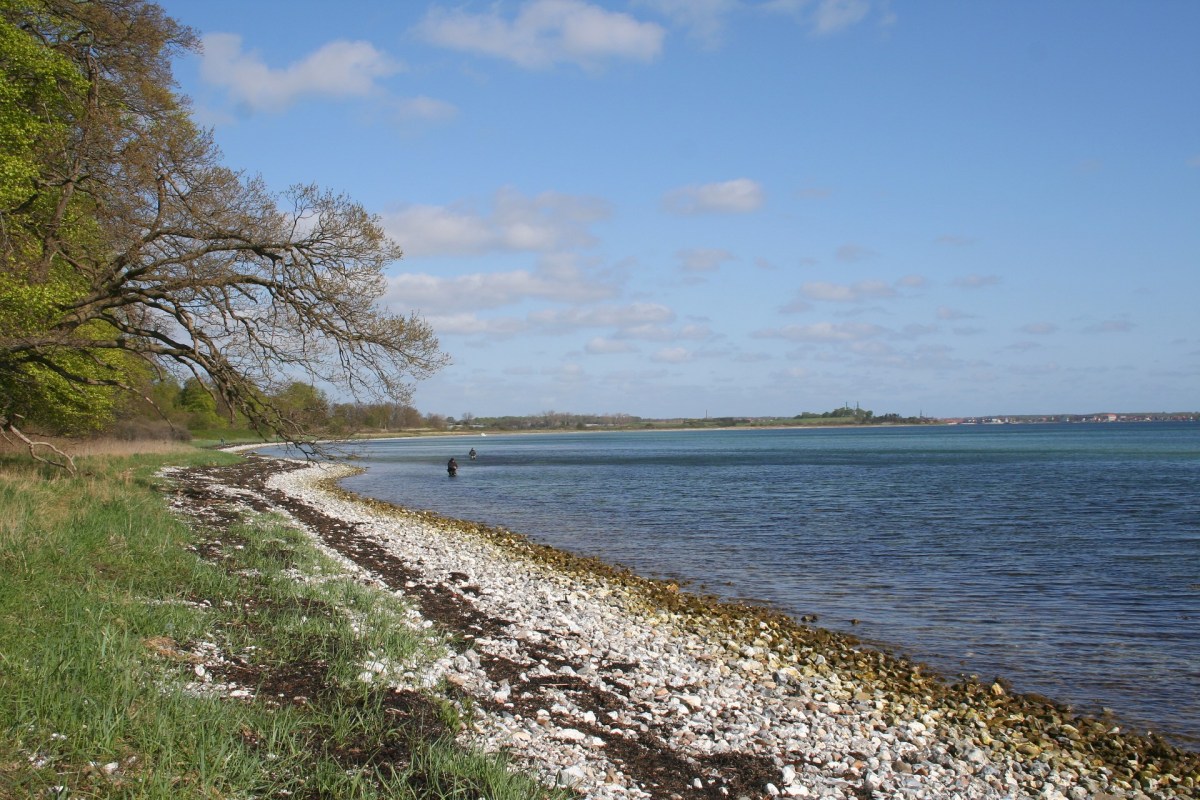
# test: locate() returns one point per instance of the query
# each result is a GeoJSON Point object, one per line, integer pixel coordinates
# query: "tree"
{"type": "Point", "coordinates": [126, 248]}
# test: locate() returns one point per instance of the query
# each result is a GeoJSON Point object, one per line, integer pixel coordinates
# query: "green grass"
{"type": "Point", "coordinates": [103, 602]}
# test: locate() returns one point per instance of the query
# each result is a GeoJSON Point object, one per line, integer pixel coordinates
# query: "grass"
{"type": "Point", "coordinates": [113, 612]}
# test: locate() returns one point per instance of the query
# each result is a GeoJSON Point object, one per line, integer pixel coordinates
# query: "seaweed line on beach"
{"type": "Point", "coordinates": [758, 704]}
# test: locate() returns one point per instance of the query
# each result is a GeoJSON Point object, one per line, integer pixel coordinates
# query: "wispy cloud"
{"type": "Point", "coordinates": [738, 196]}
{"type": "Point", "coordinates": [831, 16]}
{"type": "Point", "coordinates": [947, 313]}
{"type": "Point", "coordinates": [827, 17]}
{"type": "Point", "coordinates": [976, 281]}
{"type": "Point", "coordinates": [337, 69]}
{"type": "Point", "coordinates": [672, 355]}
{"type": "Point", "coordinates": [823, 332]}
{"type": "Point", "coordinates": [602, 346]}
{"type": "Point", "coordinates": [847, 293]}
{"type": "Point", "coordinates": [1039, 328]}
{"type": "Point", "coordinates": [955, 240]}
{"type": "Point", "coordinates": [612, 316]}
{"type": "Point", "coordinates": [704, 20]}
{"type": "Point", "coordinates": [703, 259]}
{"type": "Point", "coordinates": [852, 253]}
{"type": "Point", "coordinates": [1110, 326]}
{"type": "Point", "coordinates": [544, 33]}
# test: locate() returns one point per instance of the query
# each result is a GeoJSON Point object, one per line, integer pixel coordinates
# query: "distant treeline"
{"type": "Point", "coordinates": [181, 410]}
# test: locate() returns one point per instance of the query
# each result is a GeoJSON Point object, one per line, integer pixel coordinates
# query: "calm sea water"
{"type": "Point", "coordinates": [1065, 558]}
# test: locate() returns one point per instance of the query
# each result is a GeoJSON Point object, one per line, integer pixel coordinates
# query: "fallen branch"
{"type": "Point", "coordinates": [65, 461]}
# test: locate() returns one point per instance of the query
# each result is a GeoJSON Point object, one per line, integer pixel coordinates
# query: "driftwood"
{"type": "Point", "coordinates": [10, 431]}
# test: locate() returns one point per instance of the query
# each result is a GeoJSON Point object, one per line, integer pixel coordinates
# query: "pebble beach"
{"type": "Point", "coordinates": [616, 686]}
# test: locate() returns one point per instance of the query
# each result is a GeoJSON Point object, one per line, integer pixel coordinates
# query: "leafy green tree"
{"type": "Point", "coordinates": [127, 249]}
{"type": "Point", "coordinates": [304, 405]}
{"type": "Point", "coordinates": [197, 400]}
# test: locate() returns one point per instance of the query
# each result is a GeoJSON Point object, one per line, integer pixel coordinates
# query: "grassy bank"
{"type": "Point", "coordinates": [113, 613]}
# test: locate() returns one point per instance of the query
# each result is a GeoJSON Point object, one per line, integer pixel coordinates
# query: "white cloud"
{"type": "Point", "coordinates": [737, 196]}
{"type": "Point", "coordinates": [465, 324]}
{"type": "Point", "coordinates": [655, 332]}
{"type": "Point", "coordinates": [548, 222]}
{"type": "Point", "coordinates": [947, 313]}
{"type": "Point", "coordinates": [703, 259]}
{"type": "Point", "coordinates": [337, 69]}
{"type": "Point", "coordinates": [797, 306]}
{"type": "Point", "coordinates": [431, 294]}
{"type": "Point", "coordinates": [831, 16]}
{"type": "Point", "coordinates": [854, 293]}
{"type": "Point", "coordinates": [546, 32]}
{"type": "Point", "coordinates": [822, 332]}
{"type": "Point", "coordinates": [601, 346]}
{"type": "Point", "coordinates": [704, 20]}
{"type": "Point", "coordinates": [604, 316]}
{"type": "Point", "coordinates": [672, 355]}
{"type": "Point", "coordinates": [425, 108]}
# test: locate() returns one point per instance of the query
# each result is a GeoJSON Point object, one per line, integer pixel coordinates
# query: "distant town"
{"type": "Point", "coordinates": [1184, 416]}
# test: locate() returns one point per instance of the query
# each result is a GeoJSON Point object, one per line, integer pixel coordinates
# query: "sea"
{"type": "Point", "coordinates": [1063, 558]}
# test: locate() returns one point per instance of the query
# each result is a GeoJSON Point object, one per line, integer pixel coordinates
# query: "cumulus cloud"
{"type": "Point", "coordinates": [703, 259]}
{"type": "Point", "coordinates": [546, 32]}
{"type": "Point", "coordinates": [738, 196]}
{"type": "Point", "coordinates": [430, 294]}
{"type": "Point", "coordinates": [547, 222]}
{"type": "Point", "coordinates": [337, 69]}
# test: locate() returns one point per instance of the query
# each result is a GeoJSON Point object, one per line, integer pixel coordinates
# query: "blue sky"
{"type": "Point", "coordinates": [750, 207]}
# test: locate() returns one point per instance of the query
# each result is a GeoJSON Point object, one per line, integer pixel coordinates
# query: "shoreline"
{"type": "Point", "coordinates": [704, 683]}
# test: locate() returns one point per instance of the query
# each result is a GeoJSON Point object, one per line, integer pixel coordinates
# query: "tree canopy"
{"type": "Point", "coordinates": [127, 248]}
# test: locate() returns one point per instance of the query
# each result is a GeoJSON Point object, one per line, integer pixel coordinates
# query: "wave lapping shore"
{"type": "Point", "coordinates": [622, 687]}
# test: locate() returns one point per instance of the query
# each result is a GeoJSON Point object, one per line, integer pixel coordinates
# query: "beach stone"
{"type": "Point", "coordinates": [592, 650]}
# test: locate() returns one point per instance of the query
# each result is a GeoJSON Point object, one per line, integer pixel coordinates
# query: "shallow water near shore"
{"type": "Point", "coordinates": [1064, 558]}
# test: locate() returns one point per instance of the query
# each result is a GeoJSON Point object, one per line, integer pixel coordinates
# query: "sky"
{"type": "Point", "coordinates": [689, 208]}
